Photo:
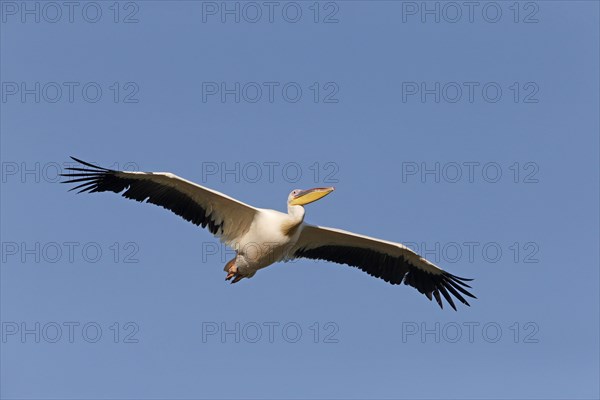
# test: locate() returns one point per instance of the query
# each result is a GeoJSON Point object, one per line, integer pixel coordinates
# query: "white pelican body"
{"type": "Point", "coordinates": [262, 237]}
{"type": "Point", "coordinates": [262, 246]}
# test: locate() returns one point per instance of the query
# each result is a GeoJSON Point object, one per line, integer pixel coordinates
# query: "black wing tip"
{"type": "Point", "coordinates": [88, 179]}
{"type": "Point", "coordinates": [89, 164]}
{"type": "Point", "coordinates": [458, 278]}
{"type": "Point", "coordinates": [441, 304]}
{"type": "Point", "coordinates": [453, 284]}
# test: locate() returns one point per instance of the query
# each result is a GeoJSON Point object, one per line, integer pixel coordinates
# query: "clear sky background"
{"type": "Point", "coordinates": [528, 237]}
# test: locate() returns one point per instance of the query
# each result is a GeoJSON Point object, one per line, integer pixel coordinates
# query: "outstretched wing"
{"type": "Point", "coordinates": [224, 216]}
{"type": "Point", "coordinates": [392, 262]}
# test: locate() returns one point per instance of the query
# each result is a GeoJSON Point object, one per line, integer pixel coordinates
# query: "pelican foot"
{"type": "Point", "coordinates": [231, 273]}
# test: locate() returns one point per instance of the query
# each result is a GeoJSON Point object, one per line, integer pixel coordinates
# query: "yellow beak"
{"type": "Point", "coordinates": [310, 195]}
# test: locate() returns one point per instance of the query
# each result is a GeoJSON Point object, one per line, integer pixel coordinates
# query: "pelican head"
{"type": "Point", "coordinates": [300, 197]}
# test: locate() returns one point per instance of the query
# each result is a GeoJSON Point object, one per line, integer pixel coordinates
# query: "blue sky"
{"type": "Point", "coordinates": [471, 134]}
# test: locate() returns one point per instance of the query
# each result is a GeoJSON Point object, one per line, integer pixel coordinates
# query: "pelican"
{"type": "Point", "coordinates": [262, 237]}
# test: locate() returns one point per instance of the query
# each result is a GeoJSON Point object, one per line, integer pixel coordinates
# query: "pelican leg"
{"type": "Point", "coordinates": [230, 275]}
{"type": "Point", "coordinates": [231, 269]}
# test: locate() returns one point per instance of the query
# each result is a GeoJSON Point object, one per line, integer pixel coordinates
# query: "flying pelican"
{"type": "Point", "coordinates": [262, 237]}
